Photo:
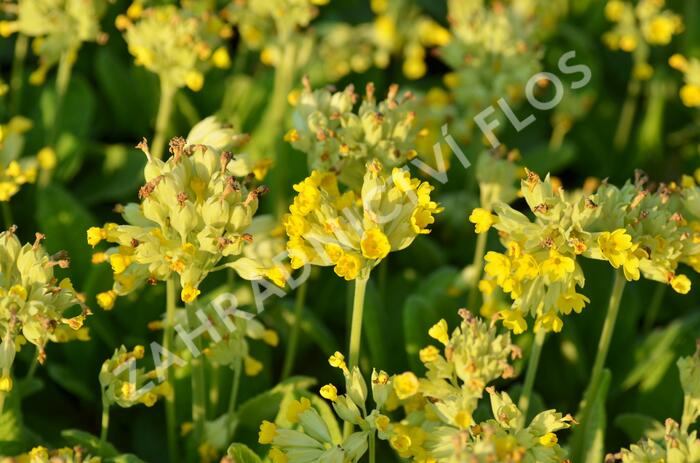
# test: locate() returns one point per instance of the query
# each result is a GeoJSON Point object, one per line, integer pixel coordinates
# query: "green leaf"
{"type": "Point", "coordinates": [266, 405]}
{"type": "Point", "coordinates": [637, 426]}
{"type": "Point", "coordinates": [12, 439]}
{"type": "Point", "coordinates": [588, 439]}
{"type": "Point", "coordinates": [419, 314]}
{"type": "Point", "coordinates": [64, 220]}
{"type": "Point", "coordinates": [240, 453]}
{"type": "Point", "coordinates": [68, 380]}
{"type": "Point", "coordinates": [90, 443]}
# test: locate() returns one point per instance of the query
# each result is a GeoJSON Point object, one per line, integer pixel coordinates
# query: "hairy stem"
{"type": "Point", "coordinates": [290, 355]}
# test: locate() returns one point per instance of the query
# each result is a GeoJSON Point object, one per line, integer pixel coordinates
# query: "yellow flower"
{"type": "Point", "coordinates": [482, 219]}
{"type": "Point", "coordinates": [614, 10]}
{"type": "Point", "coordinates": [614, 246]}
{"type": "Point", "coordinates": [439, 332]}
{"type": "Point", "coordinates": [375, 244]}
{"type": "Point", "coordinates": [406, 385]}
{"type": "Point", "coordinates": [557, 266]}
{"type": "Point", "coordinates": [429, 354]}
{"type": "Point", "coordinates": [194, 80]}
{"type": "Point", "coordinates": [514, 321]}
{"type": "Point", "coordinates": [106, 299]}
{"type": "Point", "coordinates": [549, 322]}
{"type": "Point", "coordinates": [382, 422]}
{"type": "Point", "coordinates": [337, 360]}
{"type": "Point", "coordinates": [297, 407]}
{"type": "Point", "coordinates": [348, 266]}
{"type": "Point", "coordinates": [268, 432]}
{"type": "Point", "coordinates": [277, 456]}
{"type": "Point", "coordinates": [5, 384]}
{"type": "Point", "coordinates": [119, 262]}
{"type": "Point", "coordinates": [497, 266]}
{"type": "Point", "coordinates": [19, 291]}
{"type": "Point", "coordinates": [46, 158]}
{"type": "Point", "coordinates": [271, 338]}
{"type": "Point", "coordinates": [660, 30]}
{"type": "Point", "coordinates": [95, 235]}
{"type": "Point", "coordinates": [628, 43]}
{"type": "Point", "coordinates": [548, 440]}
{"type": "Point", "coordinates": [329, 392]}
{"type": "Point", "coordinates": [221, 58]}
{"type": "Point", "coordinates": [463, 419]}
{"type": "Point", "coordinates": [690, 95]}
{"type": "Point", "coordinates": [251, 366]}
{"type": "Point", "coordinates": [680, 284]}
{"type": "Point", "coordinates": [678, 62]}
{"type": "Point", "coordinates": [571, 300]}
{"type": "Point", "coordinates": [189, 294]}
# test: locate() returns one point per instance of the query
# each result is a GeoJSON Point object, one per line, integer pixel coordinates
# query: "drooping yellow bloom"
{"type": "Point", "coordinates": [439, 332]}
{"type": "Point", "coordinates": [329, 392]}
{"type": "Point", "coordinates": [482, 219]}
{"type": "Point", "coordinates": [267, 433]}
{"type": "Point", "coordinates": [406, 385]}
{"type": "Point", "coordinates": [296, 407]}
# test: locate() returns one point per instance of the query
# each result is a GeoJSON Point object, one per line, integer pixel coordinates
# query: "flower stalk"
{"type": "Point", "coordinates": [533, 363]}
{"type": "Point", "coordinates": [165, 108]}
{"type": "Point", "coordinates": [170, 416]}
{"type": "Point", "coordinates": [290, 356]}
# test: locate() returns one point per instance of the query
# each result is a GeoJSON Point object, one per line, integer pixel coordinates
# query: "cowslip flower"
{"type": "Point", "coordinates": [640, 25]}
{"type": "Point", "coordinates": [355, 232]}
{"type": "Point", "coordinates": [338, 138]}
{"type": "Point", "coordinates": [33, 302]}
{"type": "Point", "coordinates": [193, 213]}
{"type": "Point", "coordinates": [177, 44]}
{"type": "Point", "coordinates": [539, 269]}
{"type": "Point", "coordinates": [16, 171]}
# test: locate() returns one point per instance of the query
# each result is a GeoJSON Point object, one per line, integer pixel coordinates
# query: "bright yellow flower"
{"type": "Point", "coordinates": [680, 284]}
{"type": "Point", "coordinates": [189, 294]}
{"type": "Point", "coordinates": [549, 440]}
{"type": "Point", "coordinates": [429, 354]}
{"type": "Point", "coordinates": [482, 219]}
{"type": "Point", "coordinates": [514, 321]}
{"type": "Point", "coordinates": [571, 300]}
{"type": "Point", "coordinates": [375, 244]}
{"type": "Point", "coordinates": [106, 299]}
{"type": "Point", "coordinates": [296, 408]}
{"type": "Point", "coordinates": [615, 245]}
{"type": "Point", "coordinates": [497, 266]}
{"type": "Point", "coordinates": [277, 456]}
{"type": "Point", "coordinates": [329, 392]}
{"type": "Point", "coordinates": [406, 385]}
{"type": "Point", "coordinates": [268, 432]}
{"type": "Point", "coordinates": [348, 266]}
{"type": "Point", "coordinates": [557, 265]}
{"type": "Point", "coordinates": [439, 332]}
{"type": "Point", "coordinates": [690, 95]}
{"type": "Point", "coordinates": [549, 322]}
{"type": "Point", "coordinates": [252, 366]}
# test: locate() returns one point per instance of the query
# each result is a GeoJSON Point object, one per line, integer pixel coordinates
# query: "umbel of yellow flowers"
{"type": "Point", "coordinates": [179, 45]}
{"type": "Point", "coordinates": [639, 231]}
{"type": "Point", "coordinates": [33, 303]}
{"type": "Point", "coordinates": [193, 213]}
{"type": "Point", "coordinates": [354, 232]}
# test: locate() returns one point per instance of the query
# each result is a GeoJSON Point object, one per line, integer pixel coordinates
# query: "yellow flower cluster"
{"type": "Point", "coordinates": [640, 25]}
{"type": "Point", "coordinates": [194, 212]}
{"type": "Point", "coordinates": [355, 232]}
{"type": "Point", "coordinates": [33, 304]}
{"type": "Point", "coordinates": [637, 231]}
{"type": "Point", "coordinates": [177, 44]}
{"type": "Point", "coordinates": [16, 171]}
{"type": "Point", "coordinates": [439, 423]}
{"type": "Point", "coordinates": [337, 138]}
{"type": "Point", "coordinates": [690, 91]}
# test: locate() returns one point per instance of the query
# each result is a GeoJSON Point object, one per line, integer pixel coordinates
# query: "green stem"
{"type": "Point", "coordinates": [214, 390]}
{"type": "Point", "coordinates": [168, 333]}
{"type": "Point", "coordinates": [17, 76]}
{"type": "Point", "coordinates": [7, 214]}
{"type": "Point", "coordinates": [624, 126]}
{"type": "Point", "coordinates": [65, 65]}
{"type": "Point", "coordinates": [558, 135]}
{"type": "Point", "coordinates": [372, 445]}
{"type": "Point", "coordinates": [526, 394]}
{"type": "Point", "coordinates": [604, 343]}
{"type": "Point", "coordinates": [165, 109]}
{"type": "Point", "coordinates": [199, 404]}
{"type": "Point", "coordinates": [237, 367]}
{"type": "Point", "coordinates": [105, 423]}
{"type": "Point", "coordinates": [477, 267]}
{"type": "Point", "coordinates": [358, 305]}
{"type": "Point", "coordinates": [290, 355]}
{"type": "Point", "coordinates": [654, 306]}
{"type": "Point", "coordinates": [32, 367]}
